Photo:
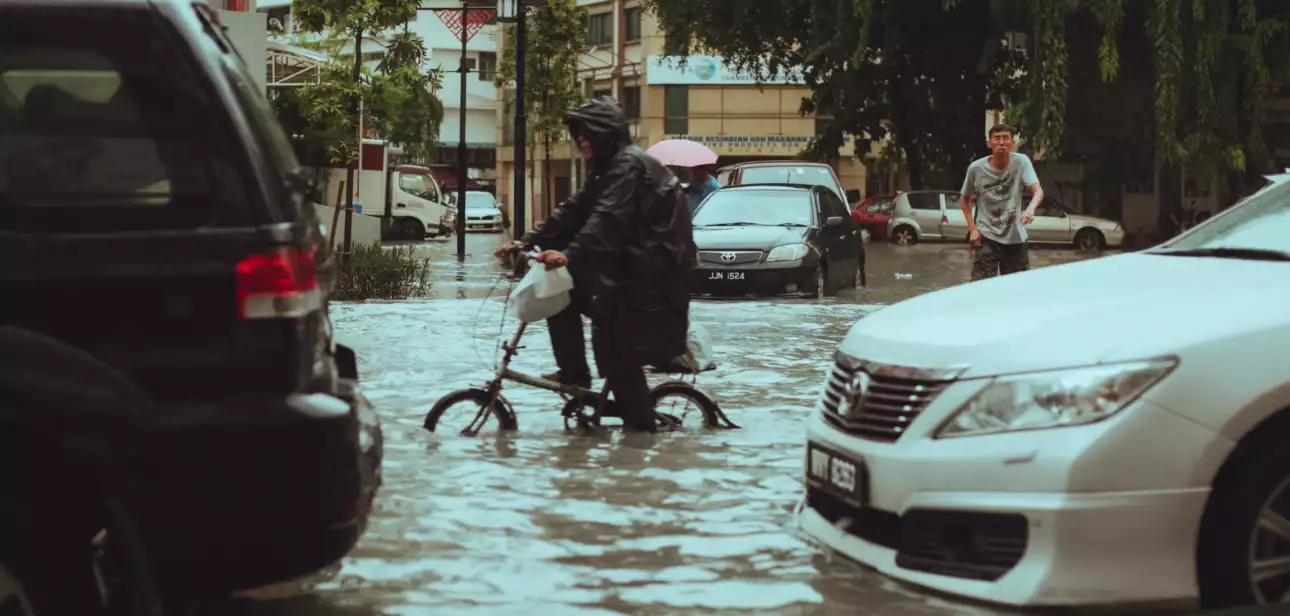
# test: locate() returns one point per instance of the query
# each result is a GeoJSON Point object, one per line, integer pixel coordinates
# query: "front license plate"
{"type": "Point", "coordinates": [839, 475]}
{"type": "Point", "coordinates": [727, 276]}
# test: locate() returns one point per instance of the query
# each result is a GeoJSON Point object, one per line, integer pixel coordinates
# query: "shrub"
{"type": "Point", "coordinates": [377, 272]}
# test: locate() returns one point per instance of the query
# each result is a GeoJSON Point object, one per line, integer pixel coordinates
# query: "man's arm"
{"type": "Point", "coordinates": [1031, 180]}
{"type": "Point", "coordinates": [559, 227]}
{"type": "Point", "coordinates": [966, 195]}
{"type": "Point", "coordinates": [605, 233]}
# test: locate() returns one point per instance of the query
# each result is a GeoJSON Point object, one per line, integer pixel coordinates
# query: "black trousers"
{"type": "Point", "coordinates": [626, 380]}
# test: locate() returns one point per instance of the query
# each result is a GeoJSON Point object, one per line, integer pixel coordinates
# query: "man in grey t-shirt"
{"type": "Point", "coordinates": [994, 184]}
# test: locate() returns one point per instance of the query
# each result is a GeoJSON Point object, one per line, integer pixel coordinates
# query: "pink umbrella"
{"type": "Point", "coordinates": [683, 153]}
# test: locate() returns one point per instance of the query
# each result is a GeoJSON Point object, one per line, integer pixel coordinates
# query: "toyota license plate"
{"type": "Point", "coordinates": [727, 276]}
{"type": "Point", "coordinates": [837, 474]}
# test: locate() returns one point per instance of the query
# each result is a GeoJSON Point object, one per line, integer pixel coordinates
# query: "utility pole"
{"type": "Point", "coordinates": [521, 123]}
{"type": "Point", "coordinates": [461, 143]}
{"type": "Point", "coordinates": [350, 169]}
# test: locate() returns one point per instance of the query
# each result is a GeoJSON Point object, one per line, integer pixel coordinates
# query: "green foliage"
{"type": "Point", "coordinates": [887, 68]}
{"type": "Point", "coordinates": [399, 99]}
{"type": "Point", "coordinates": [555, 33]}
{"type": "Point", "coordinates": [376, 272]}
{"type": "Point", "coordinates": [917, 72]}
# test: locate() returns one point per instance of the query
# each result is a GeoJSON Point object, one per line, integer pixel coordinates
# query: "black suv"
{"type": "Point", "coordinates": [152, 214]}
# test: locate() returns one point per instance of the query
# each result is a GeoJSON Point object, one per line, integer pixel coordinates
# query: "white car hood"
{"type": "Point", "coordinates": [483, 211]}
{"type": "Point", "coordinates": [1109, 309]}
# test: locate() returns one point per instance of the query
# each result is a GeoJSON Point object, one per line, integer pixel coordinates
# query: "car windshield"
{"type": "Point", "coordinates": [480, 200]}
{"type": "Point", "coordinates": [1257, 228]}
{"type": "Point", "coordinates": [755, 207]}
{"type": "Point", "coordinates": [787, 174]}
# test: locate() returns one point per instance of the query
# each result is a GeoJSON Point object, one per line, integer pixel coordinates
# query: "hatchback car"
{"type": "Point", "coordinates": [482, 212]}
{"type": "Point", "coordinates": [776, 240]}
{"type": "Point", "coordinates": [153, 214]}
{"type": "Point", "coordinates": [873, 214]}
{"type": "Point", "coordinates": [938, 215]}
{"type": "Point", "coordinates": [1125, 448]}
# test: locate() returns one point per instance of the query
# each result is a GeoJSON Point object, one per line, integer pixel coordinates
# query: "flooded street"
{"type": "Point", "coordinates": [545, 522]}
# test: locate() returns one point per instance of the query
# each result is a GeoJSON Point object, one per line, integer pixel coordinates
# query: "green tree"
{"type": "Point", "coordinates": [891, 66]}
{"type": "Point", "coordinates": [399, 99]}
{"type": "Point", "coordinates": [555, 33]}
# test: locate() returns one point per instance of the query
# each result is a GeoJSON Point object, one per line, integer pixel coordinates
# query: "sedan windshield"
{"type": "Point", "coordinates": [1258, 228]}
{"type": "Point", "coordinates": [480, 200]}
{"type": "Point", "coordinates": [772, 207]}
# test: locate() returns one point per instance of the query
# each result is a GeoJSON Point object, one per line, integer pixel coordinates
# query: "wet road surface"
{"type": "Point", "coordinates": [546, 522]}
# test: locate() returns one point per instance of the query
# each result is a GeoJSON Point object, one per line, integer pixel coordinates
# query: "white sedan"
{"type": "Point", "coordinates": [1014, 442]}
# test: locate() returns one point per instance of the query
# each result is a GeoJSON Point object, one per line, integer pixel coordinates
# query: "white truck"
{"type": "Point", "coordinates": [408, 194]}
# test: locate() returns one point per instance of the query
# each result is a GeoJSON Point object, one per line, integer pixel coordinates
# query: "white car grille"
{"type": "Point", "coordinates": [885, 410]}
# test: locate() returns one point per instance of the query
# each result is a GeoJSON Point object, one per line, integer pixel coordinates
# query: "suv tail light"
{"type": "Point", "coordinates": [282, 284]}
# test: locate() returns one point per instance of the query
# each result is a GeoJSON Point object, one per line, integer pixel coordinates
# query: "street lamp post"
{"type": "Point", "coordinates": [465, 30]}
{"type": "Point", "coordinates": [515, 10]}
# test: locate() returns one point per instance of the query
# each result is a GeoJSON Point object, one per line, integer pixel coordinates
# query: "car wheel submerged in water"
{"type": "Point", "coordinates": [904, 235]}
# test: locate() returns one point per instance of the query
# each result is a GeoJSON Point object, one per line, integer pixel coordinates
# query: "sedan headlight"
{"type": "Point", "coordinates": [1056, 398]}
{"type": "Point", "coordinates": [791, 252]}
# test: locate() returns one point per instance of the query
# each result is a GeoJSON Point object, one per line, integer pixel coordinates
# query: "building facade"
{"type": "Point", "coordinates": [444, 49]}
{"type": "Point", "coordinates": [703, 101]}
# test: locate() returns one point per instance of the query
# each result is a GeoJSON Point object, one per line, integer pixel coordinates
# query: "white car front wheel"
{"type": "Point", "coordinates": [1243, 556]}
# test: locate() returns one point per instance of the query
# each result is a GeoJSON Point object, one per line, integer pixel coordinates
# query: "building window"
{"type": "Point", "coordinates": [632, 102]}
{"type": "Point", "coordinates": [633, 24]}
{"type": "Point", "coordinates": [487, 65]}
{"type": "Point", "coordinates": [599, 92]}
{"type": "Point", "coordinates": [676, 110]}
{"type": "Point", "coordinates": [600, 29]}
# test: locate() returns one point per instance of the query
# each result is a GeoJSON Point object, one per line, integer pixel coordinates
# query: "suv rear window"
{"type": "Point", "coordinates": [104, 124]}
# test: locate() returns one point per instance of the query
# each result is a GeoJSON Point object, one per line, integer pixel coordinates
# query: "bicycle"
{"type": "Point", "coordinates": [577, 400]}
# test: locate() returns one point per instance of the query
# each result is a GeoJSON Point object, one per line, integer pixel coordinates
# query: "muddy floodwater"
{"type": "Point", "coordinates": [546, 522]}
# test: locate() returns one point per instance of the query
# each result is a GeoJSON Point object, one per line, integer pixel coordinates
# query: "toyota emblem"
{"type": "Point", "coordinates": [856, 390]}
{"type": "Point", "coordinates": [728, 256]}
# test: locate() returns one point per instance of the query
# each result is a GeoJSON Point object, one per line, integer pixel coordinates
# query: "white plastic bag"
{"type": "Point", "coordinates": [698, 346]}
{"type": "Point", "coordinates": [541, 294]}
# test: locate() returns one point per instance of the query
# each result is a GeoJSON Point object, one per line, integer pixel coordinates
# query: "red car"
{"type": "Point", "coordinates": [873, 213]}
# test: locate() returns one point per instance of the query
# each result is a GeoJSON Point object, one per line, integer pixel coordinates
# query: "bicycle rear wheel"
{"type": "Point", "coordinates": [678, 404]}
{"type": "Point", "coordinates": [468, 404]}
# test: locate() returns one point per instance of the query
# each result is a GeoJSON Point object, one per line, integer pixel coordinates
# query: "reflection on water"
{"type": "Point", "coordinates": [546, 522]}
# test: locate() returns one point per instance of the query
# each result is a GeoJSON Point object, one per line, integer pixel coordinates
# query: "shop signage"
{"type": "Point", "coordinates": [707, 70]}
{"type": "Point", "coordinates": [743, 145]}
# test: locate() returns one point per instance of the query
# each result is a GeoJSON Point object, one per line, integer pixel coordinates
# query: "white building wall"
{"type": "Point", "coordinates": [445, 52]}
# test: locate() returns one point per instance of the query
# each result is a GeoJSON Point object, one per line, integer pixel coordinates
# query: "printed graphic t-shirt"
{"type": "Point", "coordinates": [998, 197]}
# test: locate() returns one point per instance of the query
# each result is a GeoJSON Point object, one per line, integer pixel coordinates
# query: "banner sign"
{"type": "Point", "coordinates": [768, 145]}
{"type": "Point", "coordinates": [707, 70]}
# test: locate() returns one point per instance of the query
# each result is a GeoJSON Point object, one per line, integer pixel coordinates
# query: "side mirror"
{"type": "Point", "coordinates": [853, 196]}
{"type": "Point", "coordinates": [833, 221]}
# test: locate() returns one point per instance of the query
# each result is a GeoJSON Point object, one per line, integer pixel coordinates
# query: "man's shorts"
{"type": "Point", "coordinates": [995, 259]}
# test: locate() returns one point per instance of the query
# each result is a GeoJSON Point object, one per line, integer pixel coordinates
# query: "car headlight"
{"type": "Point", "coordinates": [1055, 398]}
{"type": "Point", "coordinates": [791, 252]}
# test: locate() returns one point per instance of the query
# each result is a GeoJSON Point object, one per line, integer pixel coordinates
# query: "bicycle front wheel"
{"type": "Point", "coordinates": [679, 405]}
{"type": "Point", "coordinates": [460, 409]}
